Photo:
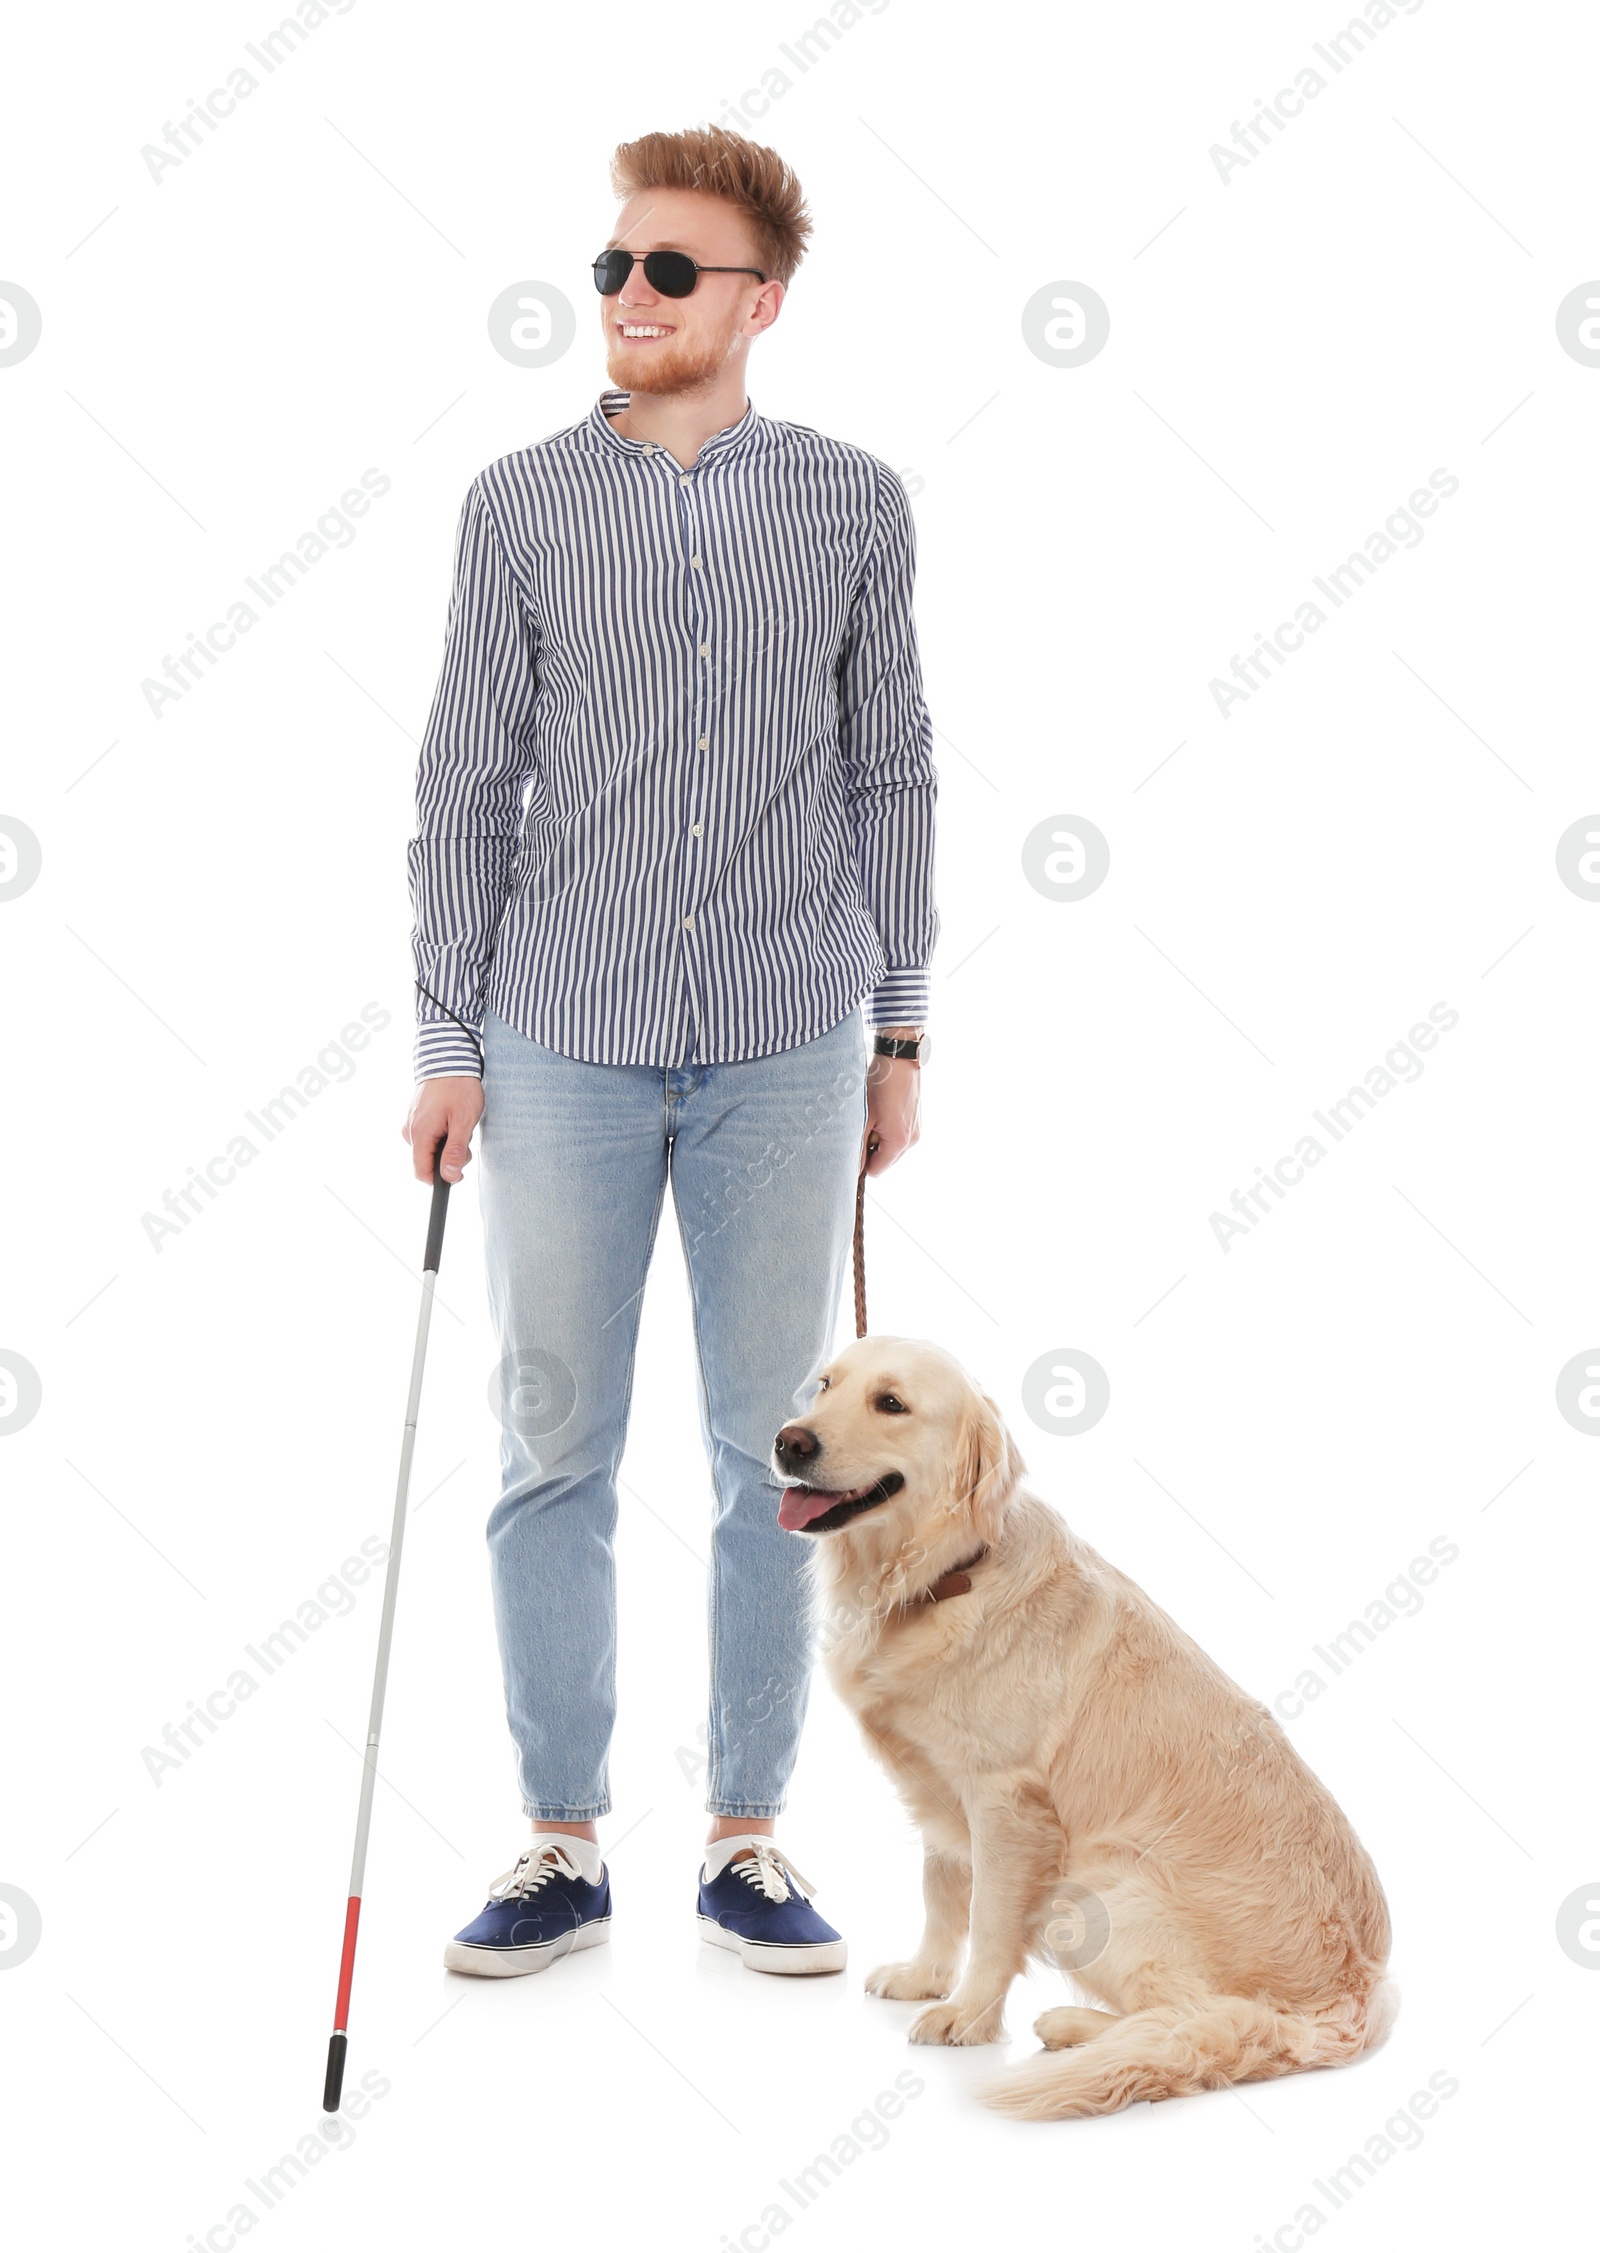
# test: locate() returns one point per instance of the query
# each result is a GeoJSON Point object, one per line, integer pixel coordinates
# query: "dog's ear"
{"type": "Point", "coordinates": [989, 1466]}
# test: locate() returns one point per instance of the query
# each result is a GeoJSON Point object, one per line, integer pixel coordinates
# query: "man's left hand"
{"type": "Point", "coordinates": [894, 1104]}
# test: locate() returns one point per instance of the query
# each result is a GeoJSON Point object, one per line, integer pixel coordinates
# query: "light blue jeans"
{"type": "Point", "coordinates": [575, 1159]}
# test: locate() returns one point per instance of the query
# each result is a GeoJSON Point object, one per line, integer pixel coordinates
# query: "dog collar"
{"type": "Point", "coordinates": [956, 1581]}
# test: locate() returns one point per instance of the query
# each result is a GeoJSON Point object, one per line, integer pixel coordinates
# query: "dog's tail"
{"type": "Point", "coordinates": [1173, 2051]}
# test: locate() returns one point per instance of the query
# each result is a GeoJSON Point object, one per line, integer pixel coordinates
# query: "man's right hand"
{"type": "Point", "coordinates": [444, 1110]}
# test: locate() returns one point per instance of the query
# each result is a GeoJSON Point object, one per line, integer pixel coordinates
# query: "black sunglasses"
{"type": "Point", "coordinates": [672, 272]}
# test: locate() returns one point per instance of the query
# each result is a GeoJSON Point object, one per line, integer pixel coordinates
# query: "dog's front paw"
{"type": "Point", "coordinates": [959, 2024]}
{"type": "Point", "coordinates": [909, 1983]}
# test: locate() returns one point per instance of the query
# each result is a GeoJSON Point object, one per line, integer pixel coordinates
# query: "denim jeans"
{"type": "Point", "coordinates": [575, 1159]}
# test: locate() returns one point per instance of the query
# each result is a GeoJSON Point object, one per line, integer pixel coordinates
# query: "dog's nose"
{"type": "Point", "coordinates": [795, 1445]}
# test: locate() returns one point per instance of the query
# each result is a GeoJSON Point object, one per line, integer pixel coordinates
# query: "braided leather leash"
{"type": "Point", "coordinates": [958, 1580]}
{"type": "Point", "coordinates": [859, 1246]}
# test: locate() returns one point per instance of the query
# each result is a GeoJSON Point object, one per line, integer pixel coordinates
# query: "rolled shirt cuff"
{"type": "Point", "coordinates": [900, 998]}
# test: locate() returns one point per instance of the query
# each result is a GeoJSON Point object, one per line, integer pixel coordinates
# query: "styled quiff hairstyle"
{"type": "Point", "coordinates": [711, 161]}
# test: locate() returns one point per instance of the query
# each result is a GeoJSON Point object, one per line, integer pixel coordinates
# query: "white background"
{"type": "Point", "coordinates": [1291, 353]}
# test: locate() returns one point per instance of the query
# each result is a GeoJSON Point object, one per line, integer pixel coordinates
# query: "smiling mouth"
{"type": "Point", "coordinates": [822, 1509]}
{"type": "Point", "coordinates": [641, 332]}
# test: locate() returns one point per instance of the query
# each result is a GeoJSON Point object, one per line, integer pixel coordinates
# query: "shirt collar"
{"type": "Point", "coordinates": [732, 440]}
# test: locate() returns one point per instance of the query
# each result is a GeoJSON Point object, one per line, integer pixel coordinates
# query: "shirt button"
{"type": "Point", "coordinates": [705, 649]}
{"type": "Point", "coordinates": [688, 922]}
{"type": "Point", "coordinates": [683, 481]}
{"type": "Point", "coordinates": [704, 743]}
{"type": "Point", "coordinates": [649, 449]}
{"type": "Point", "coordinates": [694, 563]}
{"type": "Point", "coordinates": [698, 827]}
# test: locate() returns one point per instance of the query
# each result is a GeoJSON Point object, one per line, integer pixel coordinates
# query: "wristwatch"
{"type": "Point", "coordinates": [890, 1044]}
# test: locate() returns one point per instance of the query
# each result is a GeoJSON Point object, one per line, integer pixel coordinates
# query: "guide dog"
{"type": "Point", "coordinates": [1093, 1791]}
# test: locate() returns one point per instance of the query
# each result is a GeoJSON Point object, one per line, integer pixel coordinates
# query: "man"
{"type": "Point", "coordinates": [684, 630]}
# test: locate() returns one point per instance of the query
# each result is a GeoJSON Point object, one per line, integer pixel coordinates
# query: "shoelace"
{"type": "Point", "coordinates": [770, 1871]}
{"type": "Point", "coordinates": [533, 1869]}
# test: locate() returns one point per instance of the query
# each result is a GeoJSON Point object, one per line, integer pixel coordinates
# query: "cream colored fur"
{"type": "Point", "coordinates": [1074, 1759]}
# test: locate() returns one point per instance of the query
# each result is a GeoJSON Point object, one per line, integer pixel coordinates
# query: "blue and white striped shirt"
{"type": "Point", "coordinates": [675, 802]}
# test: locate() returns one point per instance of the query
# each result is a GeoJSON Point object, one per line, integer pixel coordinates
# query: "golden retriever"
{"type": "Point", "coordinates": [1092, 1790]}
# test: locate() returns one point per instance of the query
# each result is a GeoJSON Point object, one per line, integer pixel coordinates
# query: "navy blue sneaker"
{"type": "Point", "coordinates": [760, 1908]}
{"type": "Point", "coordinates": [538, 1912]}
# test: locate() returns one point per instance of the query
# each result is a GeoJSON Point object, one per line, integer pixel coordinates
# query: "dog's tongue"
{"type": "Point", "coordinates": [801, 1504]}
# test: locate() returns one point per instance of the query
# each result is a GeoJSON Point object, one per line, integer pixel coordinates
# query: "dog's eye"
{"type": "Point", "coordinates": [893, 1403]}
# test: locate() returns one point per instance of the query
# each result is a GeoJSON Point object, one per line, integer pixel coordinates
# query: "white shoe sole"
{"type": "Point", "coordinates": [763, 1955]}
{"type": "Point", "coordinates": [516, 1963]}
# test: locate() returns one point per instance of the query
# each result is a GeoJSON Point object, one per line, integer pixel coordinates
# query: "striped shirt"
{"type": "Point", "coordinates": [675, 802]}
